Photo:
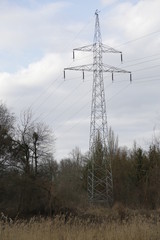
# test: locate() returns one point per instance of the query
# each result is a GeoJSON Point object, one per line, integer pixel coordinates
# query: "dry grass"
{"type": "Point", "coordinates": [139, 228]}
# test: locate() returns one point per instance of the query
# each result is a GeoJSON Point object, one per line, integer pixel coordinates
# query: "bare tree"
{"type": "Point", "coordinates": [35, 142]}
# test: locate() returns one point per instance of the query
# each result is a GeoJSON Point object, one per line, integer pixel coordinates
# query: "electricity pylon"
{"type": "Point", "coordinates": [100, 182]}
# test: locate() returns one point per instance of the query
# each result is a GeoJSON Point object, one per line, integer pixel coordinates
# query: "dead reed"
{"type": "Point", "coordinates": [139, 228]}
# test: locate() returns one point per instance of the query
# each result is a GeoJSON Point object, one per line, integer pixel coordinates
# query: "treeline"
{"type": "Point", "coordinates": [33, 182]}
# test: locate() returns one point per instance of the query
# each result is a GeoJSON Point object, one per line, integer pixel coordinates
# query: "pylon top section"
{"type": "Point", "coordinates": [97, 47]}
{"type": "Point", "coordinates": [97, 32]}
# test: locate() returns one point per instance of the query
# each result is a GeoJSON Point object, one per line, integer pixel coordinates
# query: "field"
{"type": "Point", "coordinates": [137, 227]}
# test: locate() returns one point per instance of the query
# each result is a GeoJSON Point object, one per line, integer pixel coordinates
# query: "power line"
{"type": "Point", "coordinates": [147, 68]}
{"type": "Point", "coordinates": [88, 92]}
{"type": "Point", "coordinates": [139, 38]}
{"type": "Point", "coordinates": [137, 59]}
{"type": "Point", "coordinates": [82, 108]}
{"type": "Point", "coordinates": [89, 56]}
{"type": "Point", "coordinates": [136, 39]}
{"type": "Point", "coordinates": [41, 94]}
{"type": "Point", "coordinates": [122, 88]}
{"type": "Point", "coordinates": [64, 99]}
{"type": "Point", "coordinates": [147, 81]}
{"type": "Point", "coordinates": [116, 94]}
{"type": "Point", "coordinates": [69, 108]}
{"type": "Point", "coordinates": [73, 126]}
{"type": "Point", "coordinates": [155, 59]}
{"type": "Point", "coordinates": [112, 97]}
{"type": "Point", "coordinates": [141, 69]}
{"type": "Point", "coordinates": [48, 96]}
{"type": "Point", "coordinates": [75, 101]}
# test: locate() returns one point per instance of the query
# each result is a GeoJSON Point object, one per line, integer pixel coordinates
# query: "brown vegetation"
{"type": "Point", "coordinates": [102, 227]}
{"type": "Point", "coordinates": [33, 183]}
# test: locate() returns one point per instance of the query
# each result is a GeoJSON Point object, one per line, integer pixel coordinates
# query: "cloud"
{"type": "Point", "coordinates": [28, 32]}
{"type": "Point", "coordinates": [21, 26]}
{"type": "Point", "coordinates": [25, 81]}
{"type": "Point", "coordinates": [134, 20]}
{"type": "Point", "coordinates": [38, 39]}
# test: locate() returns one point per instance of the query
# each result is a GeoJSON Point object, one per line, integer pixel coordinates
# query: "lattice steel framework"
{"type": "Point", "coordinates": [100, 183]}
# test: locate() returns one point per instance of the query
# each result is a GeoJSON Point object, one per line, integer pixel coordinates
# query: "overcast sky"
{"type": "Point", "coordinates": [36, 42]}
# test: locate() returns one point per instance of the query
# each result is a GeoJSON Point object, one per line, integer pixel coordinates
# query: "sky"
{"type": "Point", "coordinates": [37, 38]}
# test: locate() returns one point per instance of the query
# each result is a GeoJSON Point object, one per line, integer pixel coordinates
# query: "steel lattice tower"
{"type": "Point", "coordinates": [100, 183]}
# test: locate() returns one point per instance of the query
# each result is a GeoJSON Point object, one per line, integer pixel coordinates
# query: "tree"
{"type": "Point", "coordinates": [27, 166]}
{"type": "Point", "coordinates": [153, 175]}
{"type": "Point", "coordinates": [6, 133]}
{"type": "Point", "coordinates": [70, 187]}
{"type": "Point", "coordinates": [34, 142]}
{"type": "Point", "coordinates": [112, 146]}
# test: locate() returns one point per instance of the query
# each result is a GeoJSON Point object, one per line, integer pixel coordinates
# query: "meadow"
{"type": "Point", "coordinates": [135, 227]}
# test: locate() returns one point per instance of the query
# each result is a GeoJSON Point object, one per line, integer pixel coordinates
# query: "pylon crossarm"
{"type": "Point", "coordinates": [88, 67]}
{"type": "Point", "coordinates": [105, 68]}
{"type": "Point", "coordinates": [88, 48]}
{"type": "Point", "coordinates": [107, 49]}
{"type": "Point", "coordinates": [111, 69]}
{"type": "Point", "coordinates": [108, 68]}
{"type": "Point", "coordinates": [82, 68]}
